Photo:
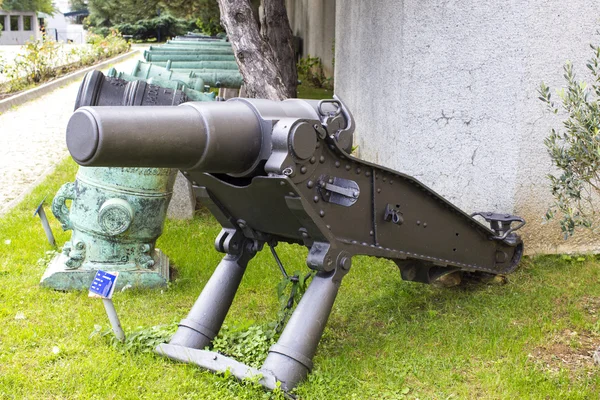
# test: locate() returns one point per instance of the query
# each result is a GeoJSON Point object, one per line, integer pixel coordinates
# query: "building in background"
{"type": "Point", "coordinates": [18, 27]}
{"type": "Point", "coordinates": [61, 28]}
{"type": "Point", "coordinates": [64, 25]}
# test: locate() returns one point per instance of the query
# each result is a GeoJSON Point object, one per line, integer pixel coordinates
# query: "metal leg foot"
{"type": "Point", "coordinates": [290, 359]}
{"type": "Point", "coordinates": [208, 313]}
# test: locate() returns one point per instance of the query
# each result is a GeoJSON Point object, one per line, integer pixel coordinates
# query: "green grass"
{"type": "Point", "coordinates": [386, 339]}
{"type": "Point", "coordinates": [309, 92]}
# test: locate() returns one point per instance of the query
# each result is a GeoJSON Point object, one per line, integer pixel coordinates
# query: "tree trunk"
{"type": "Point", "coordinates": [277, 32]}
{"type": "Point", "coordinates": [266, 62]}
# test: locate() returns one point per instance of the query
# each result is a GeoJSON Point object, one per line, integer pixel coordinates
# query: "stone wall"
{"type": "Point", "coordinates": [446, 91]}
{"type": "Point", "coordinates": [314, 22]}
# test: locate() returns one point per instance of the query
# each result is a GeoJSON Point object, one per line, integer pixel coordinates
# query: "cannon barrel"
{"type": "Point", "coordinates": [194, 136]}
{"type": "Point", "coordinates": [217, 137]}
{"type": "Point", "coordinates": [220, 65]}
{"type": "Point", "coordinates": [203, 43]}
{"type": "Point", "coordinates": [163, 57]}
{"type": "Point", "coordinates": [191, 50]}
{"type": "Point", "coordinates": [212, 77]}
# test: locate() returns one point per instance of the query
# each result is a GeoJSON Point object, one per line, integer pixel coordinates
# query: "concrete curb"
{"type": "Point", "coordinates": [36, 92]}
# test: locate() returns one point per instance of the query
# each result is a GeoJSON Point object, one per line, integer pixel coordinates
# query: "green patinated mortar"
{"type": "Point", "coordinates": [116, 216]}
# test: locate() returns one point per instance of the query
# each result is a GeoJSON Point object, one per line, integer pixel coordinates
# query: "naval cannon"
{"type": "Point", "coordinates": [282, 172]}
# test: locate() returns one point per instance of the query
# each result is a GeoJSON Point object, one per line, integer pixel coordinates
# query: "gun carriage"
{"type": "Point", "coordinates": [282, 172]}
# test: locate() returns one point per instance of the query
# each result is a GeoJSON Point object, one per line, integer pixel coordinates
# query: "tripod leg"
{"type": "Point", "coordinates": [208, 313]}
{"type": "Point", "coordinates": [290, 359]}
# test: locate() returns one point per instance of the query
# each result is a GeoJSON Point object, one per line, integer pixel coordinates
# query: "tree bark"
{"type": "Point", "coordinates": [278, 34]}
{"type": "Point", "coordinates": [264, 61]}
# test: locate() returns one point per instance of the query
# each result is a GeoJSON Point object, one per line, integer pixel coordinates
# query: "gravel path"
{"type": "Point", "coordinates": [32, 139]}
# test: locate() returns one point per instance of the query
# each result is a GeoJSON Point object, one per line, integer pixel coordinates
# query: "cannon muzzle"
{"type": "Point", "coordinates": [211, 137]}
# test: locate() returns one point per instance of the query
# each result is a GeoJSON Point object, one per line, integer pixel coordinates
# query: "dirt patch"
{"type": "Point", "coordinates": [561, 308]}
{"type": "Point", "coordinates": [568, 350]}
{"type": "Point", "coordinates": [591, 305]}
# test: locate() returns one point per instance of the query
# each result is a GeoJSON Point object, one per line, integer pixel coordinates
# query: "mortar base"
{"type": "Point", "coordinates": [58, 276]}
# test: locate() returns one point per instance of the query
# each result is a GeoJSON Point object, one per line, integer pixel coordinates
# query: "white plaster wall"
{"type": "Point", "coordinates": [314, 22]}
{"type": "Point", "coordinates": [59, 29]}
{"type": "Point", "coordinates": [8, 37]}
{"type": "Point", "coordinates": [445, 91]}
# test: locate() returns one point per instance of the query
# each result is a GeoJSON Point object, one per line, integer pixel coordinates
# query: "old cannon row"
{"type": "Point", "coordinates": [193, 64]}
{"type": "Point", "coordinates": [121, 235]}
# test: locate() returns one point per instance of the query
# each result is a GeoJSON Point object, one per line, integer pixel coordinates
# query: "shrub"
{"type": "Point", "coordinates": [209, 17]}
{"type": "Point", "coordinates": [45, 59]}
{"type": "Point", "coordinates": [310, 70]}
{"type": "Point", "coordinates": [35, 64]}
{"type": "Point", "coordinates": [103, 47]}
{"type": "Point", "coordinates": [575, 149]}
{"type": "Point", "coordinates": [162, 26]}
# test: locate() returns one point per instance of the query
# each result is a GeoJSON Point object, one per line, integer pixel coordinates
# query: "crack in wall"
{"type": "Point", "coordinates": [446, 118]}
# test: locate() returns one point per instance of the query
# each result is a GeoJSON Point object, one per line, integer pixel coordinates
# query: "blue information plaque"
{"type": "Point", "coordinates": [103, 284]}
